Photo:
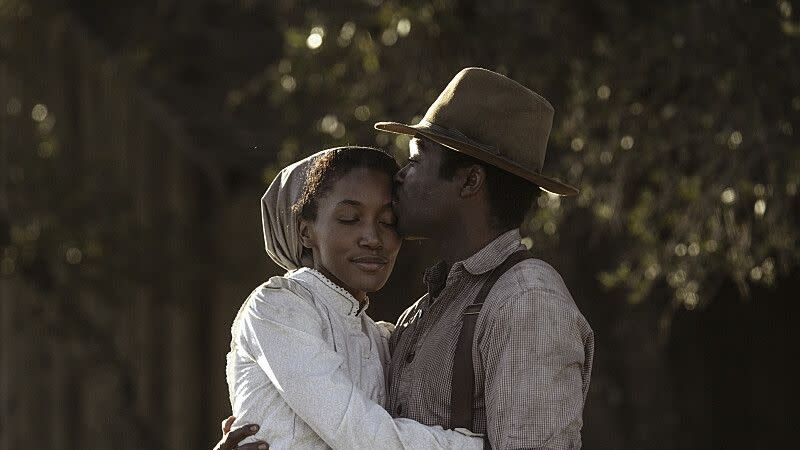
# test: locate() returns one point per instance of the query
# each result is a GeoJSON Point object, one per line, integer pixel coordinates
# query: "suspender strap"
{"type": "Point", "coordinates": [463, 387]}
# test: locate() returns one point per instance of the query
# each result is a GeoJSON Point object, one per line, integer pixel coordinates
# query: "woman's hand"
{"type": "Point", "coordinates": [230, 439]}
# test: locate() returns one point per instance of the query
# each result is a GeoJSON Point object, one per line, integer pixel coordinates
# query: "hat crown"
{"type": "Point", "coordinates": [497, 112]}
{"type": "Point", "coordinates": [492, 118]}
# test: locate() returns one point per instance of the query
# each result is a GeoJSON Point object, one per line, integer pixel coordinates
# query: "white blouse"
{"type": "Point", "coordinates": [308, 366]}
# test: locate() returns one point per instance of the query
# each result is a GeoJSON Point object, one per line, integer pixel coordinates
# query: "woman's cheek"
{"type": "Point", "coordinates": [392, 239]}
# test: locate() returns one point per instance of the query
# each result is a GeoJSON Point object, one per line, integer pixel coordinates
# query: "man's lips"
{"type": "Point", "coordinates": [370, 263]}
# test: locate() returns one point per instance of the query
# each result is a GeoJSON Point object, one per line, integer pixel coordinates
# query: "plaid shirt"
{"type": "Point", "coordinates": [532, 352]}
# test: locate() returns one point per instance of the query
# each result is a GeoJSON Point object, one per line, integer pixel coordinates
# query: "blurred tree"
{"type": "Point", "coordinates": [677, 127]}
{"type": "Point", "coordinates": [676, 120]}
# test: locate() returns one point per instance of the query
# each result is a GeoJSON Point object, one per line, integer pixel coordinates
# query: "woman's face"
{"type": "Point", "coordinates": [353, 238]}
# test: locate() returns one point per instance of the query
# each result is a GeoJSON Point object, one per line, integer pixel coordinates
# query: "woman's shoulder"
{"type": "Point", "coordinates": [285, 285]}
{"type": "Point", "coordinates": [278, 304]}
{"type": "Point", "coordinates": [280, 298]}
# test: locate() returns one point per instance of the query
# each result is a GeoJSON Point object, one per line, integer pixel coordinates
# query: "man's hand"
{"type": "Point", "coordinates": [230, 439]}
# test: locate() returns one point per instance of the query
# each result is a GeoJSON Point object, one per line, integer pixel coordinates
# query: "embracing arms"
{"type": "Point", "coordinates": [283, 335]}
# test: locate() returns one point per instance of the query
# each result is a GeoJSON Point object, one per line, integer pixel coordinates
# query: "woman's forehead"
{"type": "Point", "coordinates": [362, 186]}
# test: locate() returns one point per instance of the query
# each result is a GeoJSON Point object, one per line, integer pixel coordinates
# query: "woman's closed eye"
{"type": "Point", "coordinates": [389, 220]}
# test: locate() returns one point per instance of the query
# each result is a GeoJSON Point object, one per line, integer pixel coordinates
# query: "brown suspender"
{"type": "Point", "coordinates": [463, 387]}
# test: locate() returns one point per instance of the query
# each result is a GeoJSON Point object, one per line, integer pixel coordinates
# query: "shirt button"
{"type": "Point", "coordinates": [410, 357]}
{"type": "Point", "coordinates": [400, 410]}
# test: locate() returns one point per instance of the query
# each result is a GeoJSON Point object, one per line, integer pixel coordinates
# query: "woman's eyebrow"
{"type": "Point", "coordinates": [349, 202]}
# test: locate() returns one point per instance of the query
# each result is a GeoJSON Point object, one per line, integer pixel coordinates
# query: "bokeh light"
{"type": "Point", "coordinates": [314, 40]}
{"type": "Point", "coordinates": [728, 196]}
{"type": "Point", "coordinates": [760, 207]}
{"type": "Point", "coordinates": [626, 142]}
{"type": "Point", "coordinates": [39, 112]}
{"type": "Point", "coordinates": [403, 27]}
{"type": "Point", "coordinates": [603, 92]}
{"type": "Point", "coordinates": [74, 255]}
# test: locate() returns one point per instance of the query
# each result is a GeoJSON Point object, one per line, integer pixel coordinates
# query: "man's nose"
{"type": "Point", "coordinates": [400, 175]}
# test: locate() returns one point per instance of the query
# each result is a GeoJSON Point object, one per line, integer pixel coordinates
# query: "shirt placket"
{"type": "Point", "coordinates": [402, 363]}
{"type": "Point", "coordinates": [355, 349]}
{"type": "Point", "coordinates": [432, 314]}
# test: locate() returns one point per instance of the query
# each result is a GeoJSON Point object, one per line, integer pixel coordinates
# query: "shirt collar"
{"type": "Point", "coordinates": [493, 254]}
{"type": "Point", "coordinates": [343, 302]}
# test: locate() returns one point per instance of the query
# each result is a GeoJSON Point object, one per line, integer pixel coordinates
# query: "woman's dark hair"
{"type": "Point", "coordinates": [330, 167]}
{"type": "Point", "coordinates": [510, 196]}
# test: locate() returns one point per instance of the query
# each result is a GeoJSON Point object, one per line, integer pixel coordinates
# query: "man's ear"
{"type": "Point", "coordinates": [473, 179]}
{"type": "Point", "coordinates": [307, 237]}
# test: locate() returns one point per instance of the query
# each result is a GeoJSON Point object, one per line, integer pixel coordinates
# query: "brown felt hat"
{"type": "Point", "coordinates": [492, 118]}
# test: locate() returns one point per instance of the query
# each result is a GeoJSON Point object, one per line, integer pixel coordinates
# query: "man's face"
{"type": "Point", "coordinates": [423, 199]}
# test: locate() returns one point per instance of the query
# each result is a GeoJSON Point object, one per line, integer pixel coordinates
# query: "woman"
{"type": "Point", "coordinates": [306, 362]}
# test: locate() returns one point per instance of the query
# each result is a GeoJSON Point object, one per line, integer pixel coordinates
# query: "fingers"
{"type": "Point", "coordinates": [233, 438]}
{"type": "Point", "coordinates": [226, 424]}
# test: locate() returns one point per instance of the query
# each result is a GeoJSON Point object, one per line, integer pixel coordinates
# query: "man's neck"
{"type": "Point", "coordinates": [463, 241]}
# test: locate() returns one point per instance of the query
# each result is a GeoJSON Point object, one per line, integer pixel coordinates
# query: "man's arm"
{"type": "Point", "coordinates": [310, 379]}
{"type": "Point", "coordinates": [533, 353]}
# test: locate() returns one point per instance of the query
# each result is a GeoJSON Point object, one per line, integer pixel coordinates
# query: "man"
{"type": "Point", "coordinates": [474, 169]}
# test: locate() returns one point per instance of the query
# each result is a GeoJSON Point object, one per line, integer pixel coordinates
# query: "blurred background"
{"type": "Point", "coordinates": [137, 136]}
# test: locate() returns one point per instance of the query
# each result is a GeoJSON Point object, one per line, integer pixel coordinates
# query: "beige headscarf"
{"type": "Point", "coordinates": [280, 224]}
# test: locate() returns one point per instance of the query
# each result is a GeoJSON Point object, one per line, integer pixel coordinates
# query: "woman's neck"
{"type": "Point", "coordinates": [361, 296]}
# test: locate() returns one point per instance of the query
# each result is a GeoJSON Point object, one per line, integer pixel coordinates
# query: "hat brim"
{"type": "Point", "coordinates": [464, 145]}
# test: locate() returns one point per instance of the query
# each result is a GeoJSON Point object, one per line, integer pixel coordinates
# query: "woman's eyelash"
{"type": "Point", "coordinates": [390, 223]}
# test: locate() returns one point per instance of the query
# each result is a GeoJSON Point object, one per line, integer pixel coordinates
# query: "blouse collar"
{"type": "Point", "coordinates": [345, 301]}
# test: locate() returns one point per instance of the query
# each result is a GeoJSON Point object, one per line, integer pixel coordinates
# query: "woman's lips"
{"type": "Point", "coordinates": [370, 263]}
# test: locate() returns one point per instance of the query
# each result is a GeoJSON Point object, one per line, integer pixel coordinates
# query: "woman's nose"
{"type": "Point", "coordinates": [370, 238]}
